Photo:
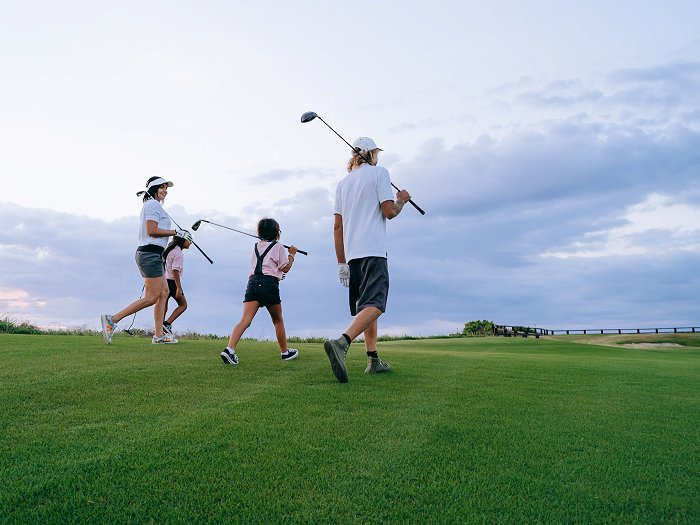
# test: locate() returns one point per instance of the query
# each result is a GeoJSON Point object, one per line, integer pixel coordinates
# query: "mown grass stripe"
{"type": "Point", "coordinates": [461, 431]}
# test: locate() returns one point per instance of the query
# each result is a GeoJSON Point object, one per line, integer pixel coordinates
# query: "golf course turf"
{"type": "Point", "coordinates": [484, 430]}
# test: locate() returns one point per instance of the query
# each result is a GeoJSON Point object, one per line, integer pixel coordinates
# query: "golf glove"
{"type": "Point", "coordinates": [184, 234]}
{"type": "Point", "coordinates": [344, 274]}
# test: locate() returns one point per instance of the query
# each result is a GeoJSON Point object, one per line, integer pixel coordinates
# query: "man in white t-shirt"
{"type": "Point", "coordinates": [364, 200]}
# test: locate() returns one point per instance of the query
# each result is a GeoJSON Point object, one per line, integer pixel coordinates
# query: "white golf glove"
{"type": "Point", "coordinates": [184, 234]}
{"type": "Point", "coordinates": [344, 274]}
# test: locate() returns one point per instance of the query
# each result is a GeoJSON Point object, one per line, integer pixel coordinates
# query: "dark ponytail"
{"type": "Point", "coordinates": [177, 241]}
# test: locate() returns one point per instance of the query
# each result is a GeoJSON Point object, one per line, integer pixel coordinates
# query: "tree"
{"type": "Point", "coordinates": [478, 328]}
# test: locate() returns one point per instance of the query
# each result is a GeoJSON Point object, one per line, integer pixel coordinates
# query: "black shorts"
{"type": "Point", "coordinates": [369, 283]}
{"type": "Point", "coordinates": [265, 289]}
{"type": "Point", "coordinates": [172, 287]}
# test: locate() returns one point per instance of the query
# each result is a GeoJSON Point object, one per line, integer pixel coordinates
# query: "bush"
{"type": "Point", "coordinates": [478, 328]}
{"type": "Point", "coordinates": [8, 326]}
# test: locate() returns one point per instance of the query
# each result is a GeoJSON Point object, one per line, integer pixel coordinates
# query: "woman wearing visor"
{"type": "Point", "coordinates": [154, 231]}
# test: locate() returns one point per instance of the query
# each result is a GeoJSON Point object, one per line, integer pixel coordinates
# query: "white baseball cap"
{"type": "Point", "coordinates": [365, 144]}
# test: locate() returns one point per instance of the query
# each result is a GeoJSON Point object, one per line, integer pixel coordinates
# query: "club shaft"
{"type": "Point", "coordinates": [420, 210]}
{"type": "Point", "coordinates": [248, 234]}
{"type": "Point", "coordinates": [341, 138]}
{"type": "Point", "coordinates": [195, 244]}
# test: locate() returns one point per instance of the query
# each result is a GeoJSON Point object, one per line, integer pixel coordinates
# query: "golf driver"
{"type": "Point", "coordinates": [140, 193]}
{"type": "Point", "coordinates": [197, 224]}
{"type": "Point", "coordinates": [310, 115]}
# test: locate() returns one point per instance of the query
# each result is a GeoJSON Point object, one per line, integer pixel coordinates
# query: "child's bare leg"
{"type": "Point", "coordinates": [181, 307]}
{"type": "Point", "coordinates": [249, 310]}
{"type": "Point", "coordinates": [277, 320]}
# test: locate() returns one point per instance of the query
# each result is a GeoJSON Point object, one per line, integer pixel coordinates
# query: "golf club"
{"type": "Point", "coordinates": [310, 115]}
{"type": "Point", "coordinates": [197, 224]}
{"type": "Point", "coordinates": [140, 193]}
{"type": "Point", "coordinates": [128, 330]}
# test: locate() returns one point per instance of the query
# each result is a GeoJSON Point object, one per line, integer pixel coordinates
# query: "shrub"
{"type": "Point", "coordinates": [478, 328]}
{"type": "Point", "coordinates": [8, 326]}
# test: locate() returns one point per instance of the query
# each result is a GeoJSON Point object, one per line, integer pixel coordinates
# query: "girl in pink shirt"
{"type": "Point", "coordinates": [174, 267]}
{"type": "Point", "coordinates": [269, 264]}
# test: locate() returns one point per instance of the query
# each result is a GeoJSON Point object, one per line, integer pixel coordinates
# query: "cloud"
{"type": "Point", "coordinates": [19, 300]}
{"type": "Point", "coordinates": [654, 226]}
{"type": "Point", "coordinates": [581, 217]}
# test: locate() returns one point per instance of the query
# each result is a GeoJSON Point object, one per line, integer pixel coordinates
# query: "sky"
{"type": "Point", "coordinates": [555, 147]}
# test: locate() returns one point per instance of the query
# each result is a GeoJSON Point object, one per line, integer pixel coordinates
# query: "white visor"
{"type": "Point", "coordinates": [159, 182]}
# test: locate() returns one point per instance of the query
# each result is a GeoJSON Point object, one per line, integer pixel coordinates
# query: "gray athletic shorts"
{"type": "Point", "coordinates": [150, 263]}
{"type": "Point", "coordinates": [369, 283]}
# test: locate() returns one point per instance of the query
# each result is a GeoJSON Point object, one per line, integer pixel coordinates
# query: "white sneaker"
{"type": "Point", "coordinates": [167, 339]}
{"type": "Point", "coordinates": [108, 327]}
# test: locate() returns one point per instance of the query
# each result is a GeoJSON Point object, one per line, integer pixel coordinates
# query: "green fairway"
{"type": "Point", "coordinates": [488, 430]}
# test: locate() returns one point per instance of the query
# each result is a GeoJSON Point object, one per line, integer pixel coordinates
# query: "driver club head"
{"type": "Point", "coordinates": [196, 225]}
{"type": "Point", "coordinates": [308, 117]}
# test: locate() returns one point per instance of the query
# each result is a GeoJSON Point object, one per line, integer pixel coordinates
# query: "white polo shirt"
{"type": "Point", "coordinates": [358, 200]}
{"type": "Point", "coordinates": [153, 211]}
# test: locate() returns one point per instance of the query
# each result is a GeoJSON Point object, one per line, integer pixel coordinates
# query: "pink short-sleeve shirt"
{"type": "Point", "coordinates": [174, 261]}
{"type": "Point", "coordinates": [273, 261]}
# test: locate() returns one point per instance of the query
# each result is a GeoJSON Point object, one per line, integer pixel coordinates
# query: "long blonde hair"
{"type": "Point", "coordinates": [356, 160]}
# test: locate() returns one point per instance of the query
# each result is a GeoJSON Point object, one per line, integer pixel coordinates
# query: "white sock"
{"type": "Point", "coordinates": [232, 350]}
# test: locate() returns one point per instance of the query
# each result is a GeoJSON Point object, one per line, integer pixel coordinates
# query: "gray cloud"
{"type": "Point", "coordinates": [494, 207]}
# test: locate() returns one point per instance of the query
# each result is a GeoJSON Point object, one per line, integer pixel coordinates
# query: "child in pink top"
{"type": "Point", "coordinates": [174, 267]}
{"type": "Point", "coordinates": [269, 264]}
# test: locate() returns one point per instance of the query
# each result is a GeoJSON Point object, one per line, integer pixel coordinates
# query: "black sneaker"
{"type": "Point", "coordinates": [228, 357]}
{"type": "Point", "coordinates": [168, 328]}
{"type": "Point", "coordinates": [290, 354]}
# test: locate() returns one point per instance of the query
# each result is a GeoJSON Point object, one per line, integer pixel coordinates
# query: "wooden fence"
{"type": "Point", "coordinates": [519, 331]}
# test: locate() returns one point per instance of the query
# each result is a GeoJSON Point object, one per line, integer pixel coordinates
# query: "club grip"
{"type": "Point", "coordinates": [409, 200]}
{"type": "Point", "coordinates": [417, 207]}
{"type": "Point", "coordinates": [298, 250]}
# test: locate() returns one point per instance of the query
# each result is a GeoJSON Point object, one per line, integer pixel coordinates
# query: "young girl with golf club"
{"type": "Point", "coordinates": [174, 266]}
{"type": "Point", "coordinates": [269, 263]}
{"type": "Point", "coordinates": [154, 230]}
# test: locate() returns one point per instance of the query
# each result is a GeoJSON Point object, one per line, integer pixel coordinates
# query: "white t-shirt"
{"type": "Point", "coordinates": [153, 211]}
{"type": "Point", "coordinates": [358, 200]}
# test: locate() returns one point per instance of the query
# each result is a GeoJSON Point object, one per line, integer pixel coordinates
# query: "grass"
{"type": "Point", "coordinates": [461, 431]}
